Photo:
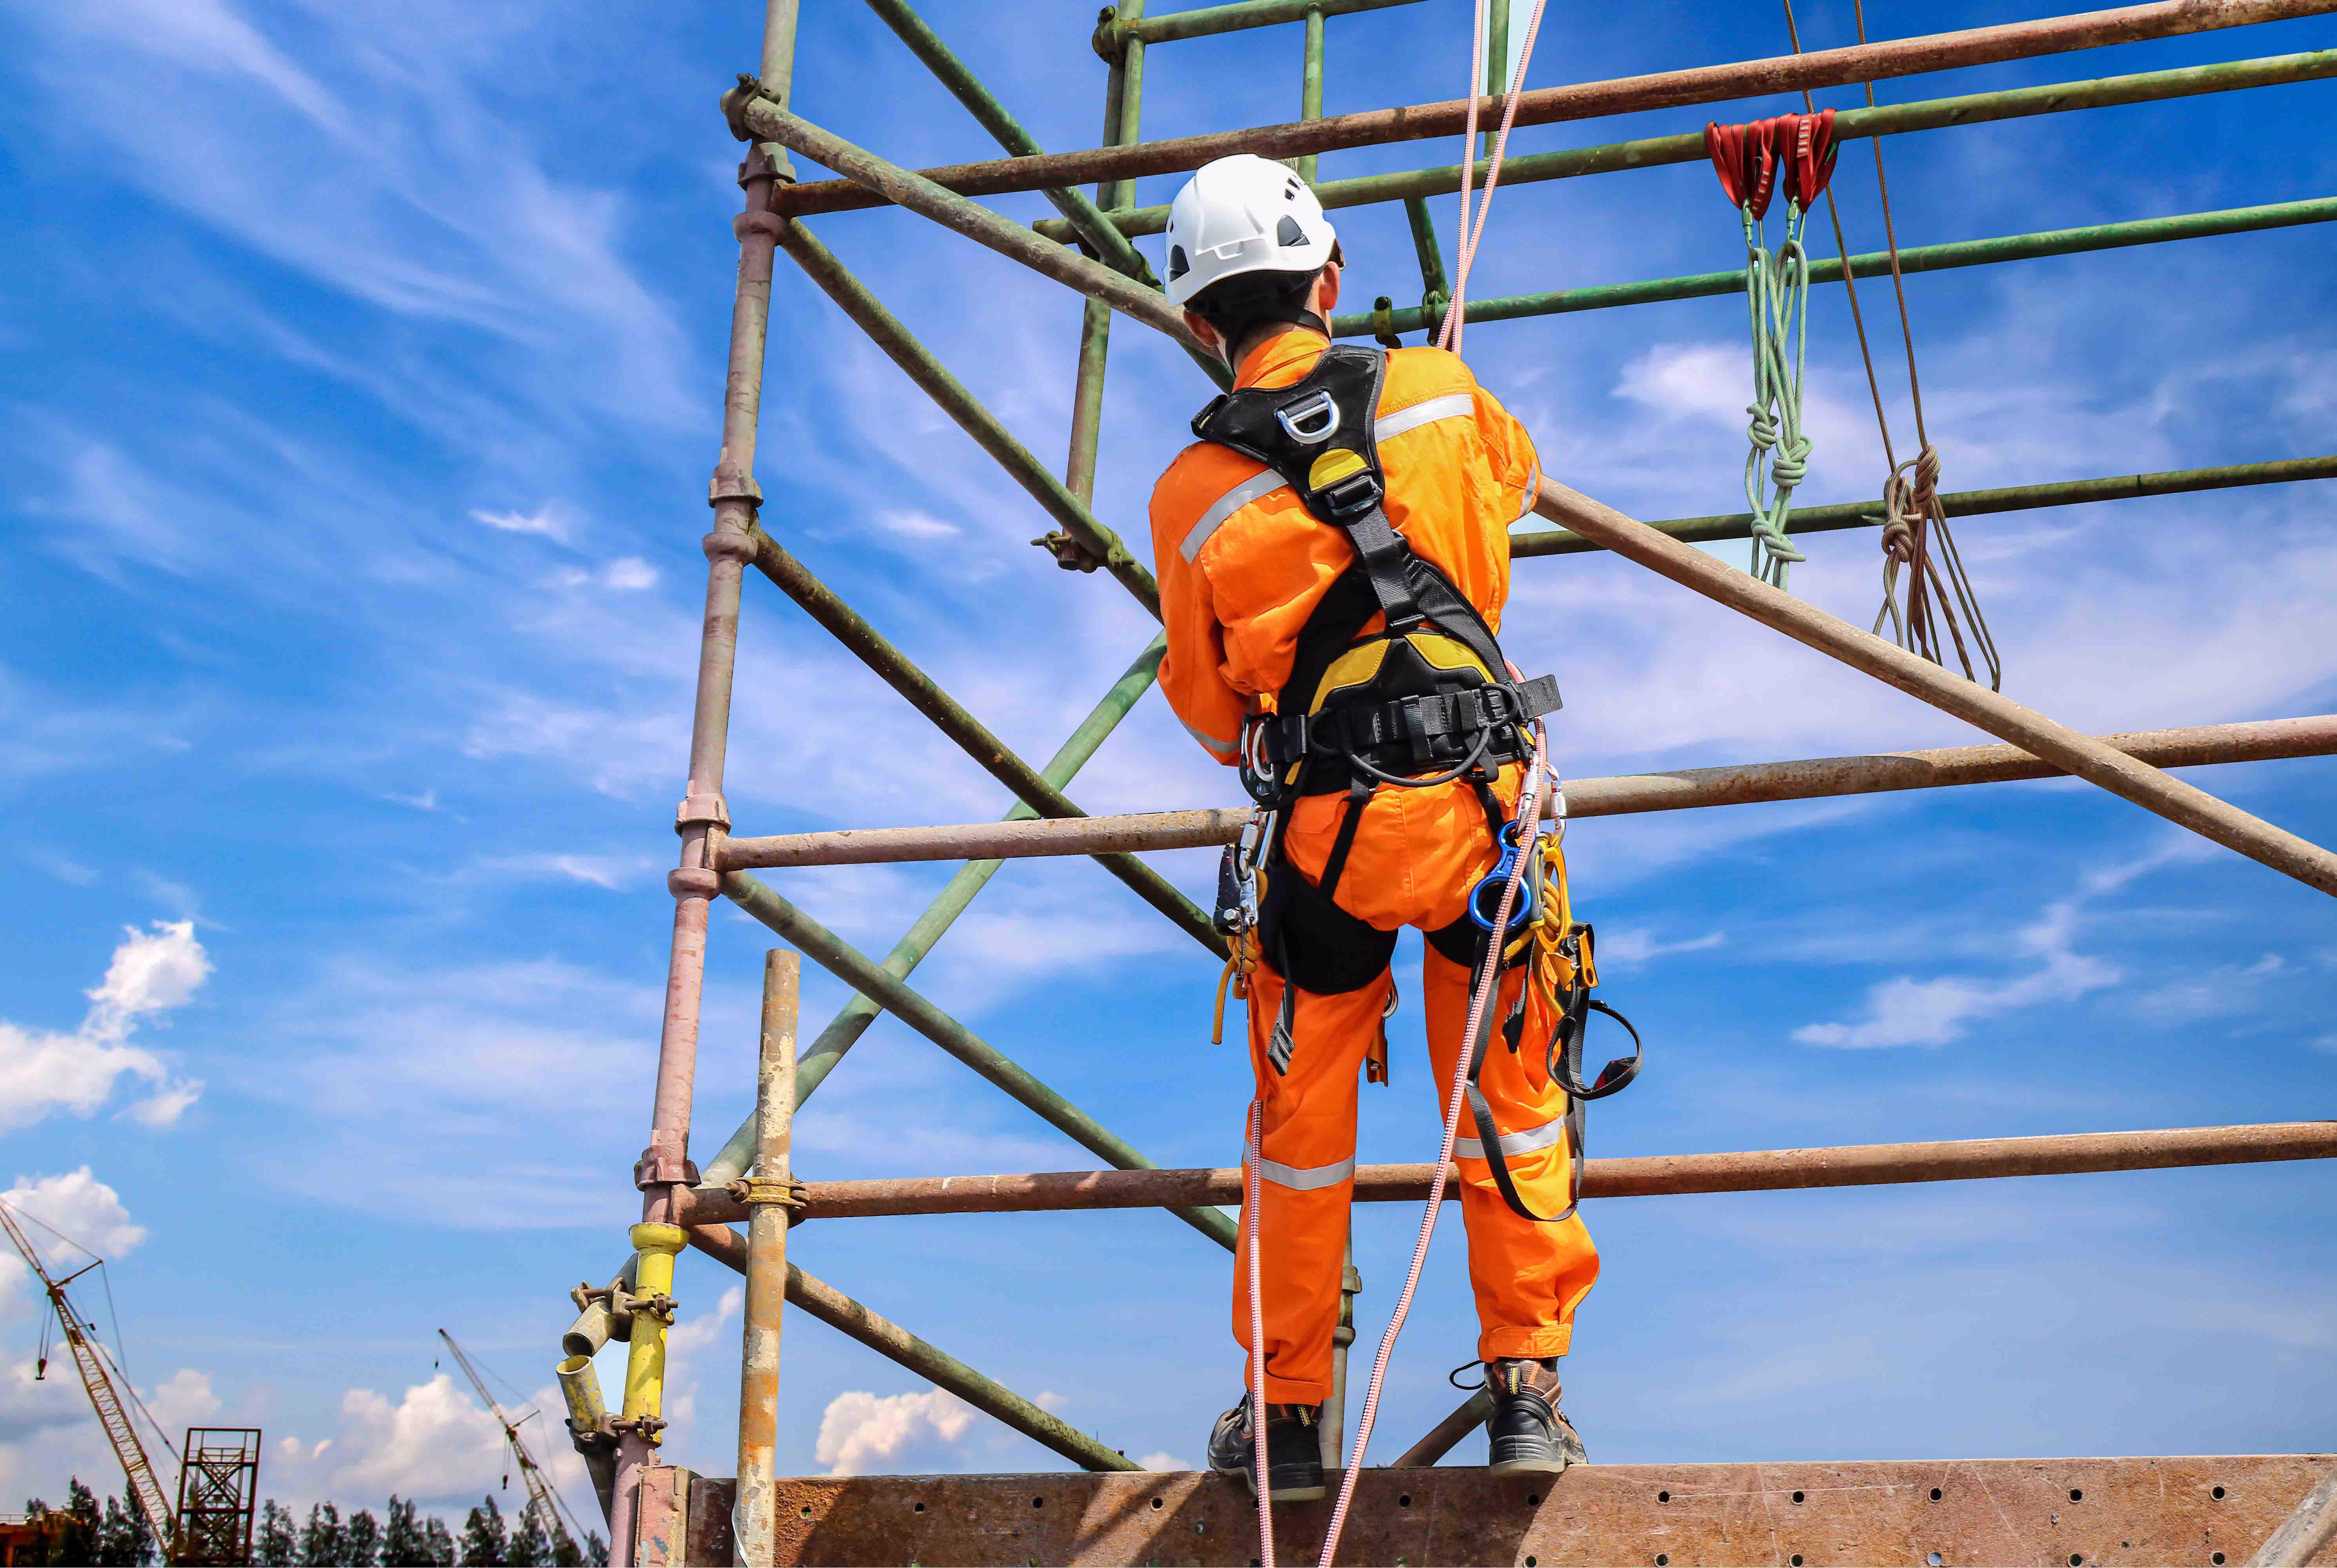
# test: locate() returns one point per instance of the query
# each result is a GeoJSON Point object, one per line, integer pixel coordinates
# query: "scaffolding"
{"type": "Point", "coordinates": [2281, 1508]}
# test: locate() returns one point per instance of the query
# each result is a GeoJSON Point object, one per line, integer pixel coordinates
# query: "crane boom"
{"type": "Point", "coordinates": [97, 1381]}
{"type": "Point", "coordinates": [542, 1499]}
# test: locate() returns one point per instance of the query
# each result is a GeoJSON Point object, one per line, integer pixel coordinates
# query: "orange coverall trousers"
{"type": "Point", "coordinates": [1416, 855]}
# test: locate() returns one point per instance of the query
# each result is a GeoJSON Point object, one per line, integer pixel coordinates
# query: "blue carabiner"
{"type": "Point", "coordinates": [1485, 898]}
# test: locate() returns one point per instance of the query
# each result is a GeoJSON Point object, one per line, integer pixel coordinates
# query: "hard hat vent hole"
{"type": "Point", "coordinates": [1178, 265]}
{"type": "Point", "coordinates": [1287, 231]}
{"type": "Point", "coordinates": [1290, 191]}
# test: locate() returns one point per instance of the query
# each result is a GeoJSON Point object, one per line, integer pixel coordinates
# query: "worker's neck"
{"type": "Point", "coordinates": [1260, 336]}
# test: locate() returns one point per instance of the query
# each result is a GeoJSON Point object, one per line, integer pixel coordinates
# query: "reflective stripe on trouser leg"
{"type": "Point", "coordinates": [1527, 1277]}
{"type": "Point", "coordinates": [1310, 1179]}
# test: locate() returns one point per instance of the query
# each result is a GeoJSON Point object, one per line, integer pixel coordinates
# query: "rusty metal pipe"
{"type": "Point", "coordinates": [989, 840]}
{"type": "Point", "coordinates": [1874, 62]}
{"type": "Point", "coordinates": [767, 121]}
{"type": "Point", "coordinates": [1640, 1176]}
{"type": "Point", "coordinates": [1443, 1436]}
{"type": "Point", "coordinates": [754, 1516]}
{"type": "Point", "coordinates": [1813, 778]}
{"type": "Point", "coordinates": [588, 1428]}
{"type": "Point", "coordinates": [2089, 759]}
{"type": "Point", "coordinates": [943, 1370]}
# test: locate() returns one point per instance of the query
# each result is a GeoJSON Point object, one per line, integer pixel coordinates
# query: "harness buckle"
{"type": "Point", "coordinates": [1352, 496]}
{"type": "Point", "coordinates": [1310, 421]}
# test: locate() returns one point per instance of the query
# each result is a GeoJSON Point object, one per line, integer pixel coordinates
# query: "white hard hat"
{"type": "Point", "coordinates": [1243, 214]}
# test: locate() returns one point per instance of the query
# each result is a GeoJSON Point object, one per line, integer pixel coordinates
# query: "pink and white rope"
{"type": "Point", "coordinates": [1487, 986]}
{"type": "Point", "coordinates": [1472, 229]}
{"type": "Point", "coordinates": [1253, 1154]}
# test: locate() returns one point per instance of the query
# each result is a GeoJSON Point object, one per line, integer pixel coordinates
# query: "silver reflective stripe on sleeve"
{"type": "Point", "coordinates": [1524, 1143]}
{"type": "Point", "coordinates": [1308, 1179]}
{"type": "Point", "coordinates": [1225, 506]}
{"type": "Point", "coordinates": [1229, 747]}
{"type": "Point", "coordinates": [1532, 493]}
{"type": "Point", "coordinates": [1451, 405]}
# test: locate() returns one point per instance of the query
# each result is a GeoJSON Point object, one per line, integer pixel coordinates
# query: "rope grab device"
{"type": "Point", "coordinates": [1794, 152]}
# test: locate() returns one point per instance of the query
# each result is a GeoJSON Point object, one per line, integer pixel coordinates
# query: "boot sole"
{"type": "Point", "coordinates": [1314, 1493]}
{"type": "Point", "coordinates": [1554, 1464]}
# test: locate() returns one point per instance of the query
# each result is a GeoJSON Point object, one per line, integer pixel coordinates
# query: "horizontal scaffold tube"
{"type": "Point", "coordinates": [1873, 264]}
{"type": "Point", "coordinates": [1874, 62]}
{"type": "Point", "coordinates": [855, 968]}
{"type": "Point", "coordinates": [1169, 26]}
{"type": "Point", "coordinates": [1960, 503]}
{"type": "Point", "coordinates": [937, 1367]}
{"type": "Point", "coordinates": [982, 841]}
{"type": "Point", "coordinates": [1850, 124]}
{"type": "Point", "coordinates": [1814, 778]}
{"type": "Point", "coordinates": [1643, 1177]}
{"type": "Point", "coordinates": [2127, 777]}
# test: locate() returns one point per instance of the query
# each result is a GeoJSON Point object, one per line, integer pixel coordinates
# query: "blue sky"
{"type": "Point", "coordinates": [362, 367]}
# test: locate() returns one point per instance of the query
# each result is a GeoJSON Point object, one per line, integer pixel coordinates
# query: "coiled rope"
{"type": "Point", "coordinates": [1913, 518]}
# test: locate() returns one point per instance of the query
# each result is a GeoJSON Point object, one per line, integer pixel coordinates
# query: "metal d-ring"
{"type": "Point", "coordinates": [1314, 405]}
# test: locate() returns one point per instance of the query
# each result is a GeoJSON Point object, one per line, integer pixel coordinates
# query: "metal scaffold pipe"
{"type": "Point", "coordinates": [762, 119]}
{"type": "Point", "coordinates": [847, 963]}
{"type": "Point", "coordinates": [1961, 504]}
{"type": "Point", "coordinates": [937, 1367]}
{"type": "Point", "coordinates": [1638, 1176]}
{"type": "Point", "coordinates": [1874, 264]}
{"type": "Point", "coordinates": [768, 1195]}
{"type": "Point", "coordinates": [1814, 778]}
{"type": "Point", "coordinates": [1169, 26]}
{"type": "Point", "coordinates": [1850, 124]}
{"type": "Point", "coordinates": [1874, 62]}
{"type": "Point", "coordinates": [2089, 759]}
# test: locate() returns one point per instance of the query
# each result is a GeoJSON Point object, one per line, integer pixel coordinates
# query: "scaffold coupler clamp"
{"type": "Point", "coordinates": [1070, 552]}
{"type": "Point", "coordinates": [648, 1427]}
{"type": "Point", "coordinates": [664, 1168]}
{"type": "Point", "coordinates": [785, 1192]}
{"type": "Point", "coordinates": [623, 1303]}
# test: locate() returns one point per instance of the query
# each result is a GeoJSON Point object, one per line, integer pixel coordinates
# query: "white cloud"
{"type": "Point", "coordinates": [1632, 945]}
{"type": "Point", "coordinates": [1164, 1460]}
{"type": "Point", "coordinates": [610, 871]}
{"type": "Point", "coordinates": [860, 1430]}
{"type": "Point", "coordinates": [914, 525]}
{"type": "Point", "coordinates": [629, 573]}
{"type": "Point", "coordinates": [551, 520]}
{"type": "Point", "coordinates": [73, 1204]}
{"type": "Point", "coordinates": [1905, 1011]}
{"type": "Point", "coordinates": [42, 1073]}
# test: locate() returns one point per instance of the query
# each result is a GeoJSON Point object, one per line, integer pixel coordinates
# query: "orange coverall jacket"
{"type": "Point", "coordinates": [1242, 564]}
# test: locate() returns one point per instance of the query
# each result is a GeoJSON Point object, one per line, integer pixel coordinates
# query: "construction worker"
{"type": "Point", "coordinates": [1334, 558]}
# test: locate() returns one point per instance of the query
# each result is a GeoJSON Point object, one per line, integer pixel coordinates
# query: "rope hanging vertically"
{"type": "Point", "coordinates": [1472, 226]}
{"type": "Point", "coordinates": [1913, 517]}
{"type": "Point", "coordinates": [1794, 152]}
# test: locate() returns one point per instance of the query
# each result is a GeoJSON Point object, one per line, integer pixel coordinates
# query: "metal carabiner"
{"type": "Point", "coordinates": [1485, 898]}
{"type": "Point", "coordinates": [1315, 406]}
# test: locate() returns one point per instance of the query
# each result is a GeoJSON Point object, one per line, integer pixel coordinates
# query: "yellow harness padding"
{"type": "Point", "coordinates": [1360, 666]}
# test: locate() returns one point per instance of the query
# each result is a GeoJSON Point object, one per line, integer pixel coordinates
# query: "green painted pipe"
{"type": "Point", "coordinates": [1889, 119]}
{"type": "Point", "coordinates": [849, 964]}
{"type": "Point", "coordinates": [1961, 504]}
{"type": "Point", "coordinates": [1877, 264]}
{"type": "Point", "coordinates": [994, 117]}
{"type": "Point", "coordinates": [1172, 25]}
{"type": "Point", "coordinates": [900, 672]}
{"type": "Point", "coordinates": [816, 1060]}
{"type": "Point", "coordinates": [1310, 86]}
{"type": "Point", "coordinates": [868, 313]}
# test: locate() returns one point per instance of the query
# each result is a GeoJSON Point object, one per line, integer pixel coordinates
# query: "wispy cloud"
{"type": "Point", "coordinates": [44, 1073]}
{"type": "Point", "coordinates": [551, 520]}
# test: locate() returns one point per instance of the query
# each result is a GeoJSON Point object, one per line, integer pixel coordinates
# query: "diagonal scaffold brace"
{"type": "Point", "coordinates": [2186, 805]}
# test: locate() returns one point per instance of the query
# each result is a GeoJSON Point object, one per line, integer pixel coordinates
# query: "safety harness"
{"type": "Point", "coordinates": [1426, 699]}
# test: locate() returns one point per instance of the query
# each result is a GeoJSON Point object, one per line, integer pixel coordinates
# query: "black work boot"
{"type": "Point", "coordinates": [1293, 1450]}
{"type": "Point", "coordinates": [1530, 1435]}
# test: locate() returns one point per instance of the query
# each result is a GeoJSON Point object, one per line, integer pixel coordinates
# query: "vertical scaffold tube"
{"type": "Point", "coordinates": [639, 1422]}
{"type": "Point", "coordinates": [754, 1518]}
{"type": "Point", "coordinates": [704, 817]}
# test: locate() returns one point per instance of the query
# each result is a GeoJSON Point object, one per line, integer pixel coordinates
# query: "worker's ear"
{"type": "Point", "coordinates": [1326, 287]}
{"type": "Point", "coordinates": [1208, 334]}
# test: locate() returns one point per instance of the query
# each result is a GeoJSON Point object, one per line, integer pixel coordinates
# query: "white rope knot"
{"type": "Point", "coordinates": [1791, 464]}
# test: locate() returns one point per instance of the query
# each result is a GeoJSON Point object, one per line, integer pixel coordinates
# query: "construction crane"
{"type": "Point", "coordinates": [97, 1378]}
{"type": "Point", "coordinates": [544, 1500]}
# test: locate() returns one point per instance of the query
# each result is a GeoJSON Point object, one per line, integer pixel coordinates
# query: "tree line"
{"type": "Point", "coordinates": [112, 1531]}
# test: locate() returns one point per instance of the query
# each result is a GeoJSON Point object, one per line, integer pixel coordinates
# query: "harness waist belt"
{"type": "Point", "coordinates": [1417, 731]}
